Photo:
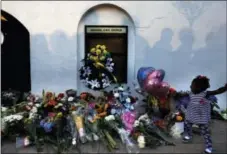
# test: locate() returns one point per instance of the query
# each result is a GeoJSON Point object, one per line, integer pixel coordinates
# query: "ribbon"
{"type": "Point", "coordinates": [98, 64]}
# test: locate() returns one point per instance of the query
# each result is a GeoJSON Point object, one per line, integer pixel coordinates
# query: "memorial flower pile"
{"type": "Point", "coordinates": [68, 119]}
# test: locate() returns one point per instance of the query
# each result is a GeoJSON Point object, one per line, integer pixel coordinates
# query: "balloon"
{"type": "Point", "coordinates": [142, 74]}
{"type": "Point", "coordinates": [156, 87]}
{"type": "Point", "coordinates": [158, 74]}
{"type": "Point", "coordinates": [162, 72]}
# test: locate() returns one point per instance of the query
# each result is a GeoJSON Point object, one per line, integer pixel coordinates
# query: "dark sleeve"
{"type": "Point", "coordinates": [218, 91]}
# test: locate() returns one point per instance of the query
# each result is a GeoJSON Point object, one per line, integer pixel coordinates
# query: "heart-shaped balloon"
{"type": "Point", "coordinates": [142, 74]}
{"type": "Point", "coordinates": [156, 87]}
{"type": "Point", "coordinates": [157, 74]}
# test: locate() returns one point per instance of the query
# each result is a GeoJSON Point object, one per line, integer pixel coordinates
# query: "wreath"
{"type": "Point", "coordinates": [98, 68]}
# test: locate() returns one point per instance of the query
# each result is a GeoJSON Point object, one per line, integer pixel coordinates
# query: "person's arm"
{"type": "Point", "coordinates": [218, 91]}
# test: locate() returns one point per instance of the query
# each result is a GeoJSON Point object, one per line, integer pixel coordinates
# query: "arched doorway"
{"type": "Point", "coordinates": [106, 15]}
{"type": "Point", "coordinates": [15, 54]}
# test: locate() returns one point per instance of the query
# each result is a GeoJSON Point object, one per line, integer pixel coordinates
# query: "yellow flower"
{"type": "Point", "coordinates": [98, 51]}
{"type": "Point", "coordinates": [92, 50]}
{"type": "Point", "coordinates": [59, 114]}
{"type": "Point", "coordinates": [103, 47]}
{"type": "Point", "coordinates": [97, 46]}
{"type": "Point", "coordinates": [95, 58]}
{"type": "Point", "coordinates": [105, 52]}
{"type": "Point", "coordinates": [91, 57]}
{"type": "Point", "coordinates": [102, 58]}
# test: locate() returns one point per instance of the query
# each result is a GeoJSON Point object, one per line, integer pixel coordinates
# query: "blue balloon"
{"type": "Point", "coordinates": [142, 74]}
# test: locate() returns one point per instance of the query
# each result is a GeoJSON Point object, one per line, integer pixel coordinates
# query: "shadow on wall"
{"type": "Point", "coordinates": [53, 63]}
{"type": "Point", "coordinates": [54, 60]}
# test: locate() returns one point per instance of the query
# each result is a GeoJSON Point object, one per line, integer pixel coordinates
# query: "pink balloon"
{"type": "Point", "coordinates": [149, 83]}
{"type": "Point", "coordinates": [155, 74]}
{"type": "Point", "coordinates": [156, 87]}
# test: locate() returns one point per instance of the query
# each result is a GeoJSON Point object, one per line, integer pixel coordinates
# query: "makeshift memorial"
{"type": "Point", "coordinates": [67, 119]}
{"type": "Point", "coordinates": [97, 72]}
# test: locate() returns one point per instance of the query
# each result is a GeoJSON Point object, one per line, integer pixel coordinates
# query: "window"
{"type": "Point", "coordinates": [115, 38]}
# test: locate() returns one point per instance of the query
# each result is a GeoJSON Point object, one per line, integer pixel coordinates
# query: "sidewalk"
{"type": "Point", "coordinates": [219, 136]}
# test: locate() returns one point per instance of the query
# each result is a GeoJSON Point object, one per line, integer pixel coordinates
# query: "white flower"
{"type": "Point", "coordinates": [136, 123]}
{"type": "Point", "coordinates": [95, 137]}
{"type": "Point", "coordinates": [70, 99]}
{"type": "Point", "coordinates": [128, 100]}
{"type": "Point", "coordinates": [113, 111]}
{"type": "Point", "coordinates": [12, 118]}
{"type": "Point", "coordinates": [63, 99]}
{"type": "Point", "coordinates": [87, 71]}
{"type": "Point", "coordinates": [120, 88]}
{"type": "Point", "coordinates": [74, 141]}
{"type": "Point", "coordinates": [37, 98]}
{"type": "Point", "coordinates": [34, 110]}
{"type": "Point", "coordinates": [37, 105]}
{"type": "Point", "coordinates": [110, 118]}
{"type": "Point", "coordinates": [141, 141]}
{"type": "Point", "coordinates": [31, 115]}
{"type": "Point", "coordinates": [60, 104]}
{"type": "Point", "coordinates": [109, 59]}
{"type": "Point", "coordinates": [94, 84]}
{"type": "Point", "coordinates": [116, 95]}
{"type": "Point", "coordinates": [74, 113]}
{"type": "Point", "coordinates": [30, 103]}
{"type": "Point", "coordinates": [109, 68]}
{"type": "Point", "coordinates": [106, 82]}
{"type": "Point", "coordinates": [26, 141]}
{"type": "Point", "coordinates": [3, 109]}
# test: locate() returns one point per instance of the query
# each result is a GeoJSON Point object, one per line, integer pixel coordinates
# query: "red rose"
{"type": "Point", "coordinates": [52, 103]}
{"type": "Point", "coordinates": [61, 95]}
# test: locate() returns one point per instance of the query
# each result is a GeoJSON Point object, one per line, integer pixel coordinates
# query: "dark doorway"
{"type": "Point", "coordinates": [115, 38]}
{"type": "Point", "coordinates": [15, 55]}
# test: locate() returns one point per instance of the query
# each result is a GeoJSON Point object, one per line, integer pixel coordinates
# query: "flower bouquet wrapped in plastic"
{"type": "Point", "coordinates": [124, 135]}
{"type": "Point", "coordinates": [79, 122]}
{"type": "Point", "coordinates": [153, 135]}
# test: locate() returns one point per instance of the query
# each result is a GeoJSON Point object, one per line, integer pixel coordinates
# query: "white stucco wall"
{"type": "Point", "coordinates": [183, 38]}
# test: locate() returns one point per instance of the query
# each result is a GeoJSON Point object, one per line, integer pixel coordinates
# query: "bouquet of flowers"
{"type": "Point", "coordinates": [10, 98]}
{"type": "Point", "coordinates": [153, 135]}
{"type": "Point", "coordinates": [97, 72]}
{"type": "Point", "coordinates": [115, 124]}
{"type": "Point", "coordinates": [78, 117]}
